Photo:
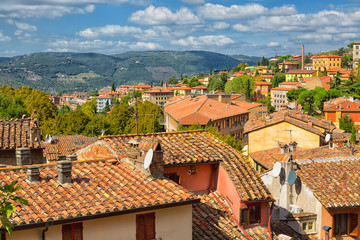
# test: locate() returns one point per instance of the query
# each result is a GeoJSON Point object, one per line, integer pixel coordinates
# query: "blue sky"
{"type": "Point", "coordinates": [256, 28]}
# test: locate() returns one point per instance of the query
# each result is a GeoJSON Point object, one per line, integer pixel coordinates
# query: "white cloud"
{"type": "Point", "coordinates": [109, 30]}
{"type": "Point", "coordinates": [163, 16]}
{"type": "Point", "coordinates": [220, 12]}
{"type": "Point", "coordinates": [221, 25]}
{"type": "Point", "coordinates": [145, 46]}
{"type": "Point", "coordinates": [273, 44]}
{"type": "Point", "coordinates": [242, 28]}
{"type": "Point", "coordinates": [194, 2]}
{"type": "Point", "coordinates": [203, 41]}
{"type": "Point", "coordinates": [17, 9]}
{"type": "Point", "coordinates": [4, 38]}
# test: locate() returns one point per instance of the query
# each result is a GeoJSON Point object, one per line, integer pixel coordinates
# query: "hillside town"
{"type": "Point", "coordinates": [255, 152]}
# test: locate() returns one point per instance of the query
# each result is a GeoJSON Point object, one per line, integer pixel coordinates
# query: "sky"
{"type": "Point", "coordinates": [255, 28]}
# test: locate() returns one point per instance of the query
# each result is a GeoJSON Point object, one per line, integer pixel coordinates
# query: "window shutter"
{"type": "Point", "coordinates": [140, 227]}
{"type": "Point", "coordinates": [66, 232]}
{"type": "Point", "coordinates": [77, 231]}
{"type": "Point", "coordinates": [354, 227]}
{"type": "Point", "coordinates": [150, 226]}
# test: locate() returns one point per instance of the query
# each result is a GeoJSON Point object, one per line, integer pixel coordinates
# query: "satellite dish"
{"type": "Point", "coordinates": [148, 158]}
{"type": "Point", "coordinates": [292, 177]}
{"type": "Point", "coordinates": [276, 169]}
{"type": "Point", "coordinates": [359, 131]}
{"type": "Point", "coordinates": [282, 176]}
{"type": "Point", "coordinates": [327, 137]}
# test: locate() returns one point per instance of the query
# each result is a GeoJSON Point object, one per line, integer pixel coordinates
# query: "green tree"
{"type": "Point", "coordinates": [353, 135]}
{"type": "Point", "coordinates": [294, 94]}
{"type": "Point", "coordinates": [346, 123]}
{"type": "Point", "coordinates": [194, 81]}
{"type": "Point", "coordinates": [64, 109]}
{"type": "Point", "coordinates": [118, 119]}
{"type": "Point", "coordinates": [173, 80]}
{"type": "Point", "coordinates": [89, 108]}
{"type": "Point", "coordinates": [72, 123]}
{"type": "Point", "coordinates": [278, 78]}
{"type": "Point", "coordinates": [112, 87]}
{"type": "Point", "coordinates": [307, 101]}
{"type": "Point", "coordinates": [185, 81]}
{"type": "Point", "coordinates": [337, 81]}
{"type": "Point", "coordinates": [7, 207]}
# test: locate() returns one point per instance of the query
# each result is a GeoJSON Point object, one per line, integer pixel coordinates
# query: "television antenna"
{"type": "Point", "coordinates": [148, 158]}
{"type": "Point", "coordinates": [290, 131]}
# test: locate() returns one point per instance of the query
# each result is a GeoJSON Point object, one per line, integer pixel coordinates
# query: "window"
{"type": "Point", "coordinates": [72, 231]}
{"type": "Point", "coordinates": [145, 226]}
{"type": "Point", "coordinates": [173, 176]}
{"type": "Point", "coordinates": [346, 224]}
{"type": "Point", "coordinates": [251, 215]}
{"type": "Point", "coordinates": [308, 227]}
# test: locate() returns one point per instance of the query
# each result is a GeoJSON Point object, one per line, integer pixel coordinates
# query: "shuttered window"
{"type": "Point", "coordinates": [346, 224]}
{"type": "Point", "coordinates": [145, 226]}
{"type": "Point", "coordinates": [72, 231]}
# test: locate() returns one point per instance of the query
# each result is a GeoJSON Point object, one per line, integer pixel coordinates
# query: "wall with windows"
{"type": "Point", "coordinates": [170, 223]}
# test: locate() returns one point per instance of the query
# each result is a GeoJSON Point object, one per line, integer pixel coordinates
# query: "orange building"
{"type": "Point", "coordinates": [288, 66]}
{"type": "Point", "coordinates": [322, 62]}
{"type": "Point", "coordinates": [261, 91]}
{"type": "Point", "coordinates": [339, 107]}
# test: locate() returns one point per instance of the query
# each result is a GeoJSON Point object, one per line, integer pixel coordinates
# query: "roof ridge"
{"type": "Point", "coordinates": [150, 134]}
{"type": "Point", "coordinates": [330, 159]}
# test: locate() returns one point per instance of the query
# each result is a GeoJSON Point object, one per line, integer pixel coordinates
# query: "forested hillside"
{"type": "Point", "coordinates": [68, 72]}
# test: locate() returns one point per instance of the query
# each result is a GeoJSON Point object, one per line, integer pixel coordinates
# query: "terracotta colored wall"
{"type": "Point", "coordinates": [199, 181]}
{"type": "Point", "coordinates": [267, 138]}
{"type": "Point", "coordinates": [226, 187]}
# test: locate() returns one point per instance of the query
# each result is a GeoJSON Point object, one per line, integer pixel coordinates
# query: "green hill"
{"type": "Point", "coordinates": [68, 72]}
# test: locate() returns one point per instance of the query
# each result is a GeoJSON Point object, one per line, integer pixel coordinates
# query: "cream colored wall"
{"type": "Point", "coordinates": [170, 223]}
{"type": "Point", "coordinates": [171, 124]}
{"type": "Point", "coordinates": [268, 137]}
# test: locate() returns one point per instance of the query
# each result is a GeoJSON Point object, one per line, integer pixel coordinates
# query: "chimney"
{"type": "Point", "coordinates": [284, 148]}
{"type": "Point", "coordinates": [64, 171]}
{"type": "Point", "coordinates": [157, 163]}
{"type": "Point", "coordinates": [33, 174]}
{"type": "Point", "coordinates": [292, 147]}
{"type": "Point", "coordinates": [302, 57]}
{"type": "Point", "coordinates": [22, 156]}
{"type": "Point", "coordinates": [71, 158]}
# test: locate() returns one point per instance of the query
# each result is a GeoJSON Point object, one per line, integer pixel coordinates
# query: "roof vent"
{"type": "Point", "coordinates": [33, 174]}
{"type": "Point", "coordinates": [64, 171]}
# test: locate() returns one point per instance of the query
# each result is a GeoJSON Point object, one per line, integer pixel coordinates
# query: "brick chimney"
{"type": "Point", "coordinates": [64, 171]}
{"type": "Point", "coordinates": [22, 156]}
{"type": "Point", "coordinates": [157, 163]}
{"type": "Point", "coordinates": [292, 146]}
{"type": "Point", "coordinates": [33, 174]}
{"type": "Point", "coordinates": [284, 148]}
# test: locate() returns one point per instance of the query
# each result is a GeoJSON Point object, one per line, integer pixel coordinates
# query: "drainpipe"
{"type": "Point", "coordinates": [44, 231]}
{"type": "Point", "coordinates": [271, 208]}
{"type": "Point", "coordinates": [232, 217]}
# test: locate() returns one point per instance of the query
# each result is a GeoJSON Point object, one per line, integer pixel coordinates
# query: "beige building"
{"type": "Point", "coordinates": [284, 127]}
{"type": "Point", "coordinates": [278, 94]}
{"type": "Point", "coordinates": [356, 54]}
{"type": "Point", "coordinates": [158, 96]}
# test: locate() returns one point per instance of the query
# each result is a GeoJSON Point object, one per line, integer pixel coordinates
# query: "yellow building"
{"type": "Point", "coordinates": [284, 127]}
{"type": "Point", "coordinates": [323, 62]}
{"type": "Point", "coordinates": [296, 75]}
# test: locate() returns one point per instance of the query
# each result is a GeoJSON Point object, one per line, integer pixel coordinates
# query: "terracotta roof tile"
{"type": "Point", "coordinates": [211, 221]}
{"type": "Point", "coordinates": [281, 228]}
{"type": "Point", "coordinates": [194, 147]}
{"type": "Point", "coordinates": [204, 108]}
{"type": "Point", "coordinates": [16, 133]}
{"type": "Point", "coordinates": [334, 182]}
{"type": "Point", "coordinates": [96, 188]}
{"type": "Point", "coordinates": [293, 117]}
{"type": "Point", "coordinates": [65, 145]}
{"type": "Point", "coordinates": [267, 158]}
{"type": "Point", "coordinates": [344, 103]}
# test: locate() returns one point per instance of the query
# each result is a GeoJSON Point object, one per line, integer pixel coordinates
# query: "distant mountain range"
{"type": "Point", "coordinates": [68, 72]}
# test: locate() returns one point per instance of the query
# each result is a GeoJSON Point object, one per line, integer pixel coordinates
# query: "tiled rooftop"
{"type": "Point", "coordinates": [280, 227]}
{"type": "Point", "coordinates": [269, 157]}
{"type": "Point", "coordinates": [303, 121]}
{"type": "Point", "coordinates": [335, 183]}
{"type": "Point", "coordinates": [342, 103]}
{"type": "Point", "coordinates": [65, 145]}
{"type": "Point", "coordinates": [211, 221]}
{"type": "Point", "coordinates": [16, 133]}
{"type": "Point", "coordinates": [196, 147]}
{"type": "Point", "coordinates": [97, 188]}
{"type": "Point", "coordinates": [201, 109]}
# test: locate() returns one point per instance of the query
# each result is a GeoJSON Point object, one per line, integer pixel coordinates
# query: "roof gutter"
{"type": "Point", "coordinates": [101, 215]}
